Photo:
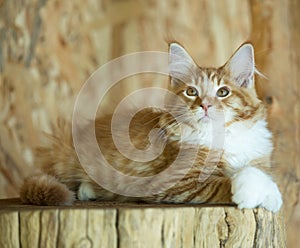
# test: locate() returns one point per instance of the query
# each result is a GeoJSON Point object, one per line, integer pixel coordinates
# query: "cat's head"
{"type": "Point", "coordinates": [229, 89]}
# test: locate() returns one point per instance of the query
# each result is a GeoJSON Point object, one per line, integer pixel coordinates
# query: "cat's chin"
{"type": "Point", "coordinates": [205, 119]}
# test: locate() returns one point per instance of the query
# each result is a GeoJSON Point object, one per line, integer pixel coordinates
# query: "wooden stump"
{"type": "Point", "coordinates": [113, 225]}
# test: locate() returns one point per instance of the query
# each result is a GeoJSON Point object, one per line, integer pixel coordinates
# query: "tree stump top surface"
{"type": "Point", "coordinates": [12, 204]}
{"type": "Point", "coordinates": [122, 225]}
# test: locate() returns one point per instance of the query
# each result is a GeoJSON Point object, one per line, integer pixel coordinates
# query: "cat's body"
{"type": "Point", "coordinates": [232, 150]}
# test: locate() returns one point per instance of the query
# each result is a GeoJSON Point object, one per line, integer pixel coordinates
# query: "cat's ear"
{"type": "Point", "coordinates": [181, 64]}
{"type": "Point", "coordinates": [241, 66]}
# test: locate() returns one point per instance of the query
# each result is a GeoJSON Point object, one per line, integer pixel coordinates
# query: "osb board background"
{"type": "Point", "coordinates": [49, 48]}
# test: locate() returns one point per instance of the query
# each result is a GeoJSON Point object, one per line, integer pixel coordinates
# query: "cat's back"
{"type": "Point", "coordinates": [134, 128]}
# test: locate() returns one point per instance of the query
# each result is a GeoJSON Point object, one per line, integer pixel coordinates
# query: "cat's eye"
{"type": "Point", "coordinates": [223, 92]}
{"type": "Point", "coordinates": [191, 91]}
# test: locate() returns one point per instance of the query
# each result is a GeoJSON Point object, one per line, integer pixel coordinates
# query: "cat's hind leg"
{"type": "Point", "coordinates": [44, 189]}
{"type": "Point", "coordinates": [86, 192]}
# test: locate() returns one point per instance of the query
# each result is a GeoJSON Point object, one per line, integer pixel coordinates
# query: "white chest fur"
{"type": "Point", "coordinates": [244, 143]}
{"type": "Point", "coordinates": [241, 142]}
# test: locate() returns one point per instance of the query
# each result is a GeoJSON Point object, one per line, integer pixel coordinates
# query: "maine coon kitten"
{"type": "Point", "coordinates": [239, 173]}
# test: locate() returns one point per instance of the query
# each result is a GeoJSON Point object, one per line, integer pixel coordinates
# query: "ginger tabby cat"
{"type": "Point", "coordinates": [239, 172]}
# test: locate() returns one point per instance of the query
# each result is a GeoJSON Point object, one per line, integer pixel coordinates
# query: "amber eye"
{"type": "Point", "coordinates": [222, 92]}
{"type": "Point", "coordinates": [191, 91]}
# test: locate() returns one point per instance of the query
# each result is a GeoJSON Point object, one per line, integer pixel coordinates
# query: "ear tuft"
{"type": "Point", "coordinates": [181, 64]}
{"type": "Point", "coordinates": [177, 53]}
{"type": "Point", "coordinates": [241, 66]}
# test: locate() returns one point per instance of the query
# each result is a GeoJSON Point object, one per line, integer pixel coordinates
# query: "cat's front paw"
{"type": "Point", "coordinates": [252, 188]}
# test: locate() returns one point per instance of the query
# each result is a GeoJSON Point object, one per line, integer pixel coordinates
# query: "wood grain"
{"type": "Point", "coordinates": [93, 224]}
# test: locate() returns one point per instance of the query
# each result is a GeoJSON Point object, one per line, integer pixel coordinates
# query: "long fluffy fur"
{"type": "Point", "coordinates": [43, 189]}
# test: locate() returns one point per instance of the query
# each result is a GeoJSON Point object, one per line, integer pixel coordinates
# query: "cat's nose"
{"type": "Point", "coordinates": [205, 107]}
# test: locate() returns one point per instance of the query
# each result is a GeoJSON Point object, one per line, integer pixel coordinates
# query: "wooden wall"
{"type": "Point", "coordinates": [48, 48]}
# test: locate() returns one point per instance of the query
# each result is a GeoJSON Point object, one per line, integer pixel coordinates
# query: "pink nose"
{"type": "Point", "coordinates": [205, 107]}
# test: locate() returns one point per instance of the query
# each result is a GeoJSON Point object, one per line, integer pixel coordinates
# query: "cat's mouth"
{"type": "Point", "coordinates": [205, 118]}
{"type": "Point", "coordinates": [213, 115]}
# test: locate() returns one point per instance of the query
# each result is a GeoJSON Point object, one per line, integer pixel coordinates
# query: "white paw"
{"type": "Point", "coordinates": [252, 188]}
{"type": "Point", "coordinates": [86, 192]}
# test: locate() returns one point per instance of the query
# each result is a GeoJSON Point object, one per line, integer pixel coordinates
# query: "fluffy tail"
{"type": "Point", "coordinates": [43, 189]}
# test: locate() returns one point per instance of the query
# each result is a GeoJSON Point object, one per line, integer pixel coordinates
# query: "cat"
{"type": "Point", "coordinates": [237, 171]}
